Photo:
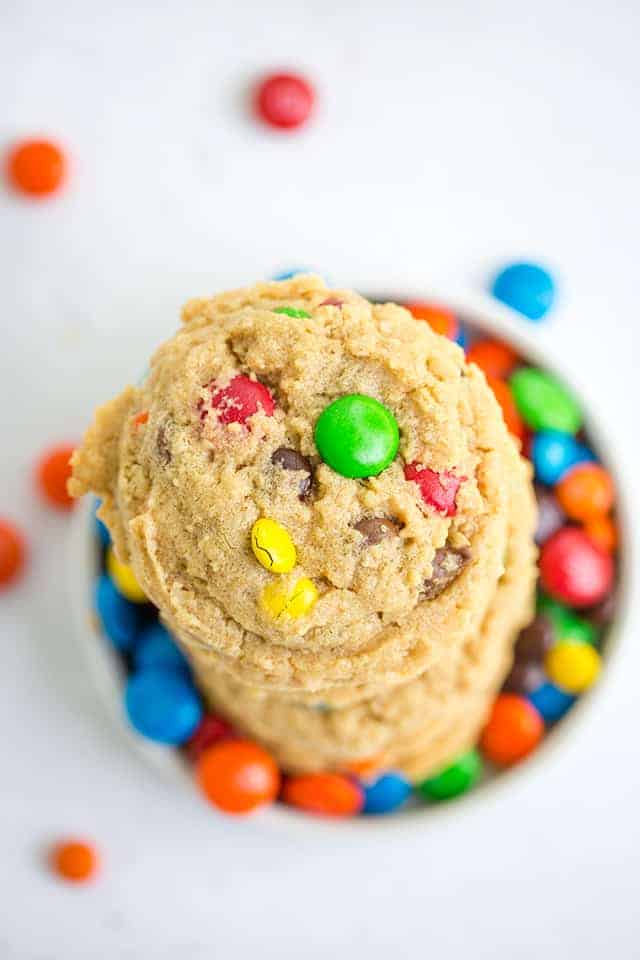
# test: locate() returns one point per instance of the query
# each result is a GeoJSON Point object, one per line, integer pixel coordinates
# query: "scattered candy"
{"type": "Point", "coordinates": [52, 472]}
{"type": "Point", "coordinates": [543, 402]}
{"type": "Point", "coordinates": [440, 319]}
{"type": "Point", "coordinates": [162, 705]}
{"type": "Point", "coordinates": [551, 702]}
{"type": "Point", "coordinates": [513, 730]}
{"type": "Point", "coordinates": [237, 776]}
{"type": "Point", "coordinates": [328, 794]}
{"type": "Point", "coordinates": [124, 578]}
{"type": "Point", "coordinates": [574, 570]}
{"type": "Point", "coordinates": [272, 546]}
{"type": "Point", "coordinates": [438, 490]}
{"type": "Point", "coordinates": [292, 312]}
{"type": "Point", "coordinates": [289, 601]}
{"type": "Point", "coordinates": [586, 492]}
{"type": "Point", "coordinates": [357, 436]}
{"type": "Point", "coordinates": [495, 358]}
{"type": "Point", "coordinates": [12, 553]}
{"type": "Point", "coordinates": [573, 666]}
{"type": "Point", "coordinates": [454, 780]}
{"type": "Point", "coordinates": [525, 287]}
{"type": "Point", "coordinates": [284, 100]}
{"type": "Point", "coordinates": [240, 399]}
{"type": "Point", "coordinates": [156, 648]}
{"type": "Point", "coordinates": [503, 395]}
{"type": "Point", "coordinates": [211, 730]}
{"type": "Point", "coordinates": [36, 168]}
{"type": "Point", "coordinates": [75, 860]}
{"type": "Point", "coordinates": [386, 794]}
{"type": "Point", "coordinates": [120, 619]}
{"type": "Point", "coordinates": [554, 453]}
{"type": "Point", "coordinates": [603, 532]}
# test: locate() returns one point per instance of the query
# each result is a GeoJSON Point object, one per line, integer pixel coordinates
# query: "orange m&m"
{"type": "Point", "coordinates": [585, 492]}
{"type": "Point", "coordinates": [495, 358]}
{"type": "Point", "coordinates": [237, 775]}
{"type": "Point", "coordinates": [513, 730]}
{"type": "Point", "coordinates": [513, 420]}
{"type": "Point", "coordinates": [12, 553]}
{"type": "Point", "coordinates": [75, 860]}
{"type": "Point", "coordinates": [328, 794]}
{"type": "Point", "coordinates": [440, 319]}
{"type": "Point", "coordinates": [53, 471]}
{"type": "Point", "coordinates": [36, 168]}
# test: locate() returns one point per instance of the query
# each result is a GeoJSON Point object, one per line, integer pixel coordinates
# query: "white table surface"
{"type": "Point", "coordinates": [449, 136]}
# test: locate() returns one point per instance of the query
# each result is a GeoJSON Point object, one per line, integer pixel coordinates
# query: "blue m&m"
{"type": "Point", "coordinates": [119, 617]}
{"type": "Point", "coordinates": [554, 452]}
{"type": "Point", "coordinates": [386, 794]}
{"type": "Point", "coordinates": [162, 705]}
{"type": "Point", "coordinates": [156, 648]}
{"type": "Point", "coordinates": [525, 287]}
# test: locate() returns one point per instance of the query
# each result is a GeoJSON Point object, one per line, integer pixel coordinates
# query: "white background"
{"type": "Point", "coordinates": [449, 136]}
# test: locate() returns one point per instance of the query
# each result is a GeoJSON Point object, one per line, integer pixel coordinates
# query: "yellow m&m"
{"type": "Point", "coordinates": [573, 666]}
{"type": "Point", "coordinates": [290, 601]}
{"type": "Point", "coordinates": [124, 579]}
{"type": "Point", "coordinates": [272, 546]}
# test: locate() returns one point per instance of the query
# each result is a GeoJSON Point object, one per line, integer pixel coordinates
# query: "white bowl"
{"type": "Point", "coordinates": [108, 675]}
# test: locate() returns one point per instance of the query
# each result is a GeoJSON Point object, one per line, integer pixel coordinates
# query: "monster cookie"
{"type": "Point", "coordinates": [317, 416]}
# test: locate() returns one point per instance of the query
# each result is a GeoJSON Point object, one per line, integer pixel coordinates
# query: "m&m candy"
{"type": "Point", "coordinates": [573, 666]}
{"type": "Point", "coordinates": [124, 578]}
{"type": "Point", "coordinates": [76, 861]}
{"type": "Point", "coordinates": [551, 702]}
{"type": "Point", "coordinates": [440, 318]}
{"type": "Point", "coordinates": [512, 732]}
{"type": "Point", "coordinates": [454, 779]}
{"type": "Point", "coordinates": [495, 358]}
{"type": "Point", "coordinates": [438, 490]}
{"type": "Point", "coordinates": [36, 168]}
{"type": "Point", "coordinates": [238, 776]}
{"type": "Point", "coordinates": [586, 492]}
{"type": "Point", "coordinates": [238, 400]}
{"type": "Point", "coordinates": [162, 705]}
{"type": "Point", "coordinates": [284, 100]}
{"type": "Point", "coordinates": [52, 472]}
{"type": "Point", "coordinates": [12, 553]}
{"type": "Point", "coordinates": [289, 600]}
{"type": "Point", "coordinates": [293, 312]}
{"type": "Point", "coordinates": [543, 402]}
{"type": "Point", "coordinates": [119, 617]}
{"type": "Point", "coordinates": [512, 418]}
{"type": "Point", "coordinates": [210, 730]}
{"type": "Point", "coordinates": [386, 794]}
{"type": "Point", "coordinates": [554, 453]}
{"type": "Point", "coordinates": [603, 532]}
{"type": "Point", "coordinates": [156, 648]}
{"type": "Point", "coordinates": [574, 570]}
{"type": "Point", "coordinates": [327, 794]}
{"type": "Point", "coordinates": [525, 287]}
{"type": "Point", "coordinates": [550, 514]}
{"type": "Point", "coordinates": [272, 546]}
{"type": "Point", "coordinates": [357, 436]}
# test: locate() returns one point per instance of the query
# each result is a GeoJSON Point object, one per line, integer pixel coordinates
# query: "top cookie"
{"type": "Point", "coordinates": [383, 518]}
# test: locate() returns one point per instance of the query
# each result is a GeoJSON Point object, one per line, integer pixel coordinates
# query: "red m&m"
{"type": "Point", "coordinates": [574, 569]}
{"type": "Point", "coordinates": [240, 399]}
{"type": "Point", "coordinates": [438, 490]}
{"type": "Point", "coordinates": [284, 100]}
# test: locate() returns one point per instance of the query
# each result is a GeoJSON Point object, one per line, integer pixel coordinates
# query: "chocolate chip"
{"type": "Point", "coordinates": [292, 460]}
{"type": "Point", "coordinates": [375, 529]}
{"type": "Point", "coordinates": [550, 514]}
{"type": "Point", "coordinates": [524, 678]}
{"type": "Point", "coordinates": [535, 641]}
{"type": "Point", "coordinates": [162, 445]}
{"type": "Point", "coordinates": [448, 562]}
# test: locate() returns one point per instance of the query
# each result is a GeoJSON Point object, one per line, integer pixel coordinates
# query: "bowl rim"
{"type": "Point", "coordinates": [108, 674]}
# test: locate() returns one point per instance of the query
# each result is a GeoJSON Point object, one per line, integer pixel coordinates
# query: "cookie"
{"type": "Point", "coordinates": [393, 572]}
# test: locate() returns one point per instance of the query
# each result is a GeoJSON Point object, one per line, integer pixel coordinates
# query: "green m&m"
{"type": "Point", "coordinates": [455, 779]}
{"type": "Point", "coordinates": [357, 436]}
{"type": "Point", "coordinates": [543, 402]}
{"type": "Point", "coordinates": [293, 312]}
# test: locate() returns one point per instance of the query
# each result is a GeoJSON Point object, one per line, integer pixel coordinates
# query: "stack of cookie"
{"type": "Point", "coordinates": [322, 499]}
